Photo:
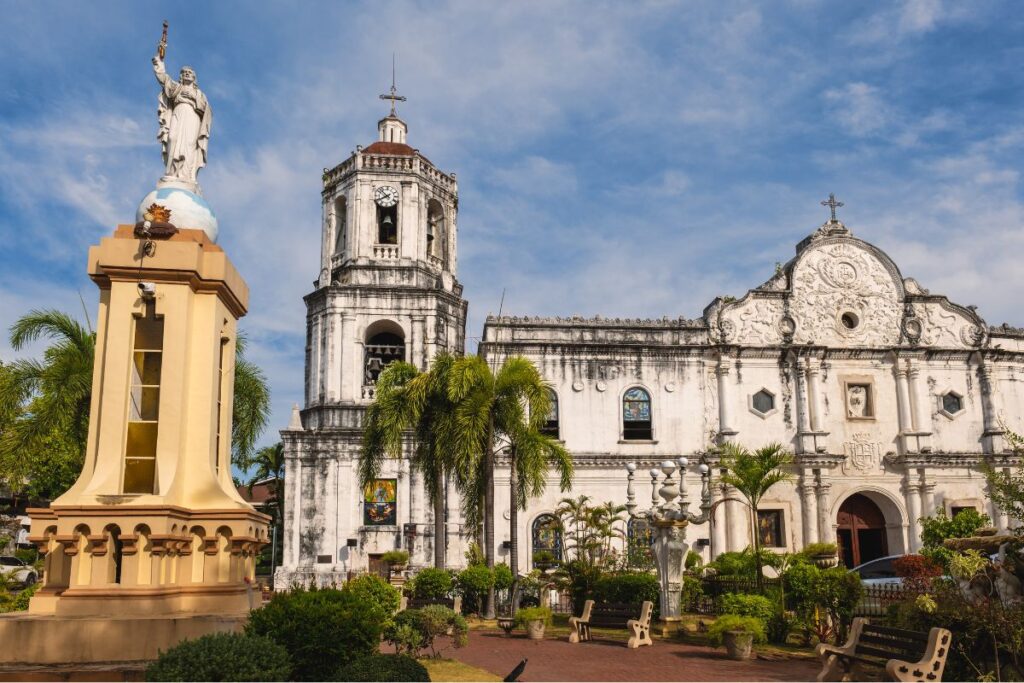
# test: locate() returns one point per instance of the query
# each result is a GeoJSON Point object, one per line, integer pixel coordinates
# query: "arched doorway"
{"type": "Point", "coordinates": [860, 531]}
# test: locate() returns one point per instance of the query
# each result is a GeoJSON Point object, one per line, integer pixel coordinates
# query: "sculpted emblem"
{"type": "Point", "coordinates": [861, 454]}
{"type": "Point", "coordinates": [840, 274]}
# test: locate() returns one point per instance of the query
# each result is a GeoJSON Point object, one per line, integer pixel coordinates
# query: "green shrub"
{"type": "Point", "coordinates": [414, 630]}
{"type": "Point", "coordinates": [528, 614]}
{"type": "Point", "coordinates": [819, 593]}
{"type": "Point", "coordinates": [404, 633]}
{"type": "Point", "coordinates": [27, 555]}
{"type": "Point", "coordinates": [936, 529]}
{"type": "Point", "coordinates": [693, 588]}
{"type": "Point", "coordinates": [757, 606]}
{"type": "Point", "coordinates": [812, 549]}
{"type": "Point", "coordinates": [693, 560]}
{"type": "Point", "coordinates": [734, 622]}
{"type": "Point", "coordinates": [382, 667]}
{"type": "Point", "coordinates": [779, 626]}
{"type": "Point", "coordinates": [17, 602]}
{"type": "Point", "coordinates": [502, 577]}
{"type": "Point", "coordinates": [474, 582]}
{"type": "Point", "coordinates": [320, 628]}
{"type": "Point", "coordinates": [393, 557]}
{"type": "Point", "coordinates": [579, 577]}
{"type": "Point", "coordinates": [629, 587]}
{"type": "Point", "coordinates": [222, 657]}
{"type": "Point", "coordinates": [374, 589]}
{"type": "Point", "coordinates": [432, 583]}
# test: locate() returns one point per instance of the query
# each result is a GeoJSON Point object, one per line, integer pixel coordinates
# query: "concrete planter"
{"type": "Point", "coordinates": [535, 629]}
{"type": "Point", "coordinates": [738, 644]}
{"type": "Point", "coordinates": [826, 560]}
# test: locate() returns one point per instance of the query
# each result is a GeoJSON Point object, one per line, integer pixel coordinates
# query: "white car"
{"type": "Point", "coordinates": [17, 570]}
{"type": "Point", "coordinates": [879, 572]}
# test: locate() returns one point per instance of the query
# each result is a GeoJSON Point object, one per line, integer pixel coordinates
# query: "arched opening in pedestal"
{"type": "Point", "coordinates": [861, 531]}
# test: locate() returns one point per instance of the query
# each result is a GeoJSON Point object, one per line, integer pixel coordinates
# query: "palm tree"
{"type": "Point", "coordinates": [495, 410]}
{"type": "Point", "coordinates": [54, 395]}
{"type": "Point", "coordinates": [752, 474]}
{"type": "Point", "coordinates": [573, 514]}
{"type": "Point", "coordinates": [531, 454]}
{"type": "Point", "coordinates": [268, 464]}
{"type": "Point", "coordinates": [407, 399]}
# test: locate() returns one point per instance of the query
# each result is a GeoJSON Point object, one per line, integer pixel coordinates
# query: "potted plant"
{"type": "Point", "coordinates": [544, 560]}
{"type": "Point", "coordinates": [396, 560]}
{"type": "Point", "coordinates": [534, 619]}
{"type": "Point", "coordinates": [738, 634]}
{"type": "Point", "coordinates": [824, 555]}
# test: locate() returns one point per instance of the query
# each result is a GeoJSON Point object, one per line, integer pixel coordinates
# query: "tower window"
{"type": "Point", "coordinates": [762, 403]}
{"type": "Point", "coordinates": [340, 216]}
{"type": "Point", "coordinates": [144, 408]}
{"type": "Point", "coordinates": [550, 427]}
{"type": "Point", "coordinates": [387, 225]}
{"type": "Point", "coordinates": [636, 415]}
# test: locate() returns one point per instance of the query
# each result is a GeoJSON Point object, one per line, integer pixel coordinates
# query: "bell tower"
{"type": "Point", "coordinates": [386, 291]}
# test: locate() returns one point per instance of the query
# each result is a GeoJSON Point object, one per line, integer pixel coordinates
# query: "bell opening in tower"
{"type": "Point", "coordinates": [387, 225]}
{"type": "Point", "coordinates": [382, 349]}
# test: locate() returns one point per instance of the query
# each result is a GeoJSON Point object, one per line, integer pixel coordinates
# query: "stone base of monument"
{"type": "Point", "coordinates": [667, 626]}
{"type": "Point", "coordinates": [57, 646]}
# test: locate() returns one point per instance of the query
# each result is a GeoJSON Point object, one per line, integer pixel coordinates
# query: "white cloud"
{"type": "Point", "coordinates": [859, 108]}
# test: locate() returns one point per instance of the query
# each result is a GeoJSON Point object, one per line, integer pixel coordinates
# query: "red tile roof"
{"type": "Point", "coordinates": [261, 492]}
{"type": "Point", "coordinates": [392, 148]}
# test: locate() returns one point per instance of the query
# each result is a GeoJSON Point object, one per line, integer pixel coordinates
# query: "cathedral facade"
{"type": "Point", "coordinates": [890, 396]}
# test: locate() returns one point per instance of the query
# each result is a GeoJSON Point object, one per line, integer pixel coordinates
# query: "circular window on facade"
{"type": "Point", "coordinates": [850, 320]}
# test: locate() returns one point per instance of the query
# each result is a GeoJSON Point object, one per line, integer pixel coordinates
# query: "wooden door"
{"type": "Point", "coordinates": [861, 532]}
{"type": "Point", "coordinates": [377, 566]}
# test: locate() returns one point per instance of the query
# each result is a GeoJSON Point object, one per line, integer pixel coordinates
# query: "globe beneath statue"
{"type": "Point", "coordinates": [188, 209]}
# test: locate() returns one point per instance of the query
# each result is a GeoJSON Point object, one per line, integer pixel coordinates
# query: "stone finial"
{"type": "Point", "coordinates": [296, 422]}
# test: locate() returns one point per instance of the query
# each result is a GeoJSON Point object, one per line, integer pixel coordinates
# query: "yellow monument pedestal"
{"type": "Point", "coordinates": [152, 544]}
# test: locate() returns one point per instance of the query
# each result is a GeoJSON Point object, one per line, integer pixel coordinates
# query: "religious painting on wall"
{"type": "Point", "coordinates": [769, 523]}
{"type": "Point", "coordinates": [380, 503]}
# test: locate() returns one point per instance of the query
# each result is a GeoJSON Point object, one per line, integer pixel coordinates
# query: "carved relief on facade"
{"type": "Point", "coordinates": [943, 327]}
{"type": "Point", "coordinates": [862, 454]}
{"type": "Point", "coordinates": [754, 322]}
{"type": "Point", "coordinates": [844, 296]}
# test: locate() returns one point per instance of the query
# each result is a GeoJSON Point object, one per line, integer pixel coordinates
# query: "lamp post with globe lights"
{"type": "Point", "coordinates": [668, 519]}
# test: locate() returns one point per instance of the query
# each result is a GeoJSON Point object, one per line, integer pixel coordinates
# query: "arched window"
{"type": "Point", "coordinates": [436, 232]}
{"type": "Point", "coordinates": [385, 344]}
{"type": "Point", "coordinates": [550, 427]}
{"type": "Point", "coordinates": [638, 544]}
{"type": "Point", "coordinates": [340, 222]}
{"type": "Point", "coordinates": [547, 540]}
{"type": "Point", "coordinates": [636, 415]}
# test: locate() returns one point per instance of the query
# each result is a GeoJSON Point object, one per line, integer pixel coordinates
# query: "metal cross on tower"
{"type": "Point", "coordinates": [830, 202]}
{"type": "Point", "coordinates": [393, 95]}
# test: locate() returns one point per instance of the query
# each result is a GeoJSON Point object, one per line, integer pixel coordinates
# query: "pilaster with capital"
{"type": "Point", "coordinates": [990, 408]}
{"type": "Point", "coordinates": [903, 408]}
{"type": "Point", "coordinates": [823, 490]}
{"type": "Point", "coordinates": [808, 507]}
{"type": "Point", "coordinates": [927, 497]}
{"type": "Point", "coordinates": [725, 428]}
{"type": "Point", "coordinates": [719, 542]}
{"type": "Point", "coordinates": [804, 441]}
{"type": "Point", "coordinates": [921, 407]}
{"type": "Point", "coordinates": [912, 492]}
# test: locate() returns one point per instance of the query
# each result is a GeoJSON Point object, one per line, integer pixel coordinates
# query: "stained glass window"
{"type": "Point", "coordinates": [380, 502]}
{"type": "Point", "coordinates": [636, 414]}
{"type": "Point", "coordinates": [547, 539]}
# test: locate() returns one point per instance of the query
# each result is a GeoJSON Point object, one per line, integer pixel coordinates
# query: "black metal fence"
{"type": "Point", "coordinates": [875, 601]}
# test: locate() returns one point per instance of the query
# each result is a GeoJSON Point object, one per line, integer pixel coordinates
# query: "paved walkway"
{"type": "Point", "coordinates": [607, 660]}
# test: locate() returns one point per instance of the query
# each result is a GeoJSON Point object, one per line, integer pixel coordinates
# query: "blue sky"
{"type": "Point", "coordinates": [628, 159]}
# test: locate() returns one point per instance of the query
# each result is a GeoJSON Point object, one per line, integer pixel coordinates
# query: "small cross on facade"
{"type": "Point", "coordinates": [393, 94]}
{"type": "Point", "coordinates": [831, 202]}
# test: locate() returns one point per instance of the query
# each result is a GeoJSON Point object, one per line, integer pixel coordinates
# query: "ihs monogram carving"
{"type": "Point", "coordinates": [861, 454]}
{"type": "Point", "coordinates": [838, 279]}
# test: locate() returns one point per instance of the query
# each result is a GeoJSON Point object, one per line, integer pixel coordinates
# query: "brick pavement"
{"type": "Point", "coordinates": [608, 660]}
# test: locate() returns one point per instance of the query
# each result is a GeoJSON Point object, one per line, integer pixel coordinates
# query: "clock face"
{"type": "Point", "coordinates": [385, 196]}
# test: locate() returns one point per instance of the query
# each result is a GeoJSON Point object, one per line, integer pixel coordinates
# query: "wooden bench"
{"type": "Point", "coordinates": [454, 604]}
{"type": "Point", "coordinates": [635, 618]}
{"type": "Point", "coordinates": [905, 655]}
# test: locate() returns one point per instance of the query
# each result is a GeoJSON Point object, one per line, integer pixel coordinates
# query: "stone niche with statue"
{"type": "Point", "coordinates": [152, 544]}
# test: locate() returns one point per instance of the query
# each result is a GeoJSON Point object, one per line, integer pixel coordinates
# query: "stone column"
{"type": "Point", "coordinates": [351, 383]}
{"type": "Point", "coordinates": [990, 407]}
{"type": "Point", "coordinates": [802, 420]}
{"type": "Point", "coordinates": [1000, 519]}
{"type": "Point", "coordinates": [825, 531]}
{"type": "Point", "coordinates": [808, 507]}
{"type": "Point", "coordinates": [919, 396]}
{"type": "Point", "coordinates": [719, 542]}
{"type": "Point", "coordinates": [736, 519]}
{"type": "Point", "coordinates": [912, 491]}
{"type": "Point", "coordinates": [727, 433]}
{"type": "Point", "coordinates": [903, 404]}
{"type": "Point", "coordinates": [316, 326]}
{"type": "Point", "coordinates": [333, 355]}
{"type": "Point", "coordinates": [814, 395]}
{"type": "Point", "coordinates": [927, 496]}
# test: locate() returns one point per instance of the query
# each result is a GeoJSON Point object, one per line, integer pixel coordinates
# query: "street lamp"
{"type": "Point", "coordinates": [668, 520]}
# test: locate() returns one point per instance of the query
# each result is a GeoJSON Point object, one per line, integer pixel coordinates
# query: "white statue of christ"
{"type": "Point", "coordinates": [185, 120]}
